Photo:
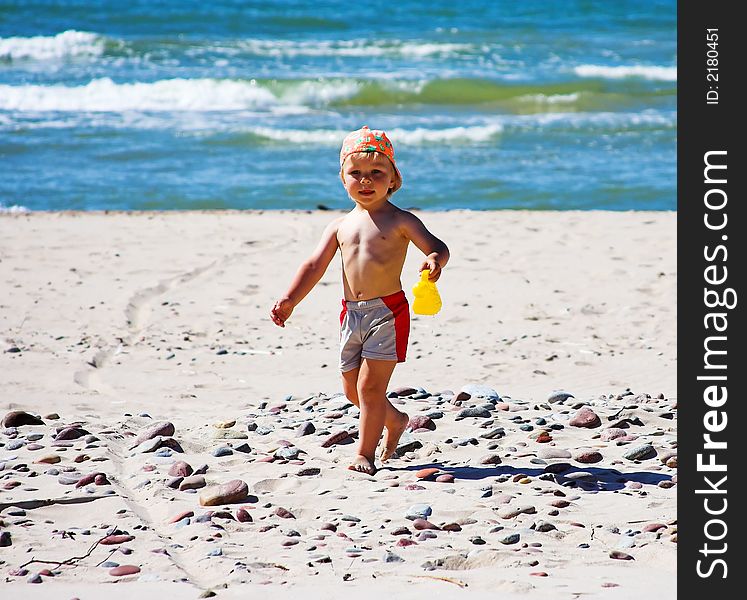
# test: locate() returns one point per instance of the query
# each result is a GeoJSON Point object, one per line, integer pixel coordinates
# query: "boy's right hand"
{"type": "Point", "coordinates": [281, 312]}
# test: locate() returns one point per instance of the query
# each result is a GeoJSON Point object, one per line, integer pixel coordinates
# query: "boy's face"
{"type": "Point", "coordinates": [367, 179]}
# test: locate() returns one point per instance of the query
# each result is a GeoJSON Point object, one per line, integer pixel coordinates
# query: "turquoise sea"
{"type": "Point", "coordinates": [162, 105]}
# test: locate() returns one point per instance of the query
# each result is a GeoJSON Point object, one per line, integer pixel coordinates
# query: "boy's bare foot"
{"type": "Point", "coordinates": [391, 438]}
{"type": "Point", "coordinates": [363, 465]}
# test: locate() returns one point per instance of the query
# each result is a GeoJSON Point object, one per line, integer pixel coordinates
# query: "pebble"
{"type": "Point", "coordinates": [193, 482]}
{"type": "Point", "coordinates": [229, 434]}
{"type": "Point", "coordinates": [222, 451]}
{"type": "Point", "coordinates": [283, 513]}
{"type": "Point", "coordinates": [49, 459]}
{"type": "Point", "coordinates": [72, 432]}
{"type": "Point", "coordinates": [68, 479]}
{"type": "Point", "coordinates": [288, 453]}
{"type": "Point", "coordinates": [496, 433]}
{"type": "Point", "coordinates": [512, 538]}
{"type": "Point", "coordinates": [640, 452]}
{"type": "Point", "coordinates": [559, 467]}
{"type": "Point", "coordinates": [427, 472]}
{"type": "Point", "coordinates": [620, 555]}
{"type": "Point", "coordinates": [479, 391]}
{"type": "Point", "coordinates": [402, 542]}
{"type": "Point", "coordinates": [509, 512]}
{"type": "Point", "coordinates": [490, 459]}
{"type": "Point", "coordinates": [309, 471]}
{"type": "Point", "coordinates": [588, 457]}
{"type": "Point", "coordinates": [180, 469]}
{"type": "Point", "coordinates": [35, 578]}
{"type": "Point", "coordinates": [421, 524]}
{"type": "Point", "coordinates": [15, 444]}
{"type": "Point", "coordinates": [124, 570]}
{"type": "Point", "coordinates": [421, 422]}
{"type": "Point", "coordinates": [548, 452]}
{"type": "Point", "coordinates": [232, 491]}
{"type": "Point", "coordinates": [390, 557]}
{"type": "Point", "coordinates": [400, 392]}
{"type": "Point", "coordinates": [473, 412]}
{"type": "Point", "coordinates": [612, 433]}
{"type": "Point", "coordinates": [5, 539]}
{"type": "Point", "coordinates": [559, 396]}
{"type": "Point", "coordinates": [111, 540]}
{"type": "Point", "coordinates": [445, 478]}
{"type": "Point", "coordinates": [418, 511]}
{"type": "Point", "coordinates": [182, 515]}
{"type": "Point", "coordinates": [306, 428]}
{"type": "Point", "coordinates": [407, 443]}
{"type": "Point", "coordinates": [18, 418]}
{"type": "Point", "coordinates": [243, 516]}
{"type": "Point", "coordinates": [585, 417]}
{"type": "Point", "coordinates": [335, 438]}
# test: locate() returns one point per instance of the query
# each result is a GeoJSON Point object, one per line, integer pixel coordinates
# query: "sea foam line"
{"type": "Point", "coordinates": [40, 47]}
{"type": "Point", "coordinates": [620, 72]}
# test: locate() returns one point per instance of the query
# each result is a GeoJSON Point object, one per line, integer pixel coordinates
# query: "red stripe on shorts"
{"type": "Point", "coordinates": [344, 311]}
{"type": "Point", "coordinates": [397, 303]}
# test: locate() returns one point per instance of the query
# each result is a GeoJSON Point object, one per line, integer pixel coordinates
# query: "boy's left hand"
{"type": "Point", "coordinates": [433, 267]}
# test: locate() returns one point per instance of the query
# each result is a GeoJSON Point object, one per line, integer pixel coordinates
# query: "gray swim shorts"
{"type": "Point", "coordinates": [376, 329]}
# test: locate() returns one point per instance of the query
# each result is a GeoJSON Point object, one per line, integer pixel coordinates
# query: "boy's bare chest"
{"type": "Point", "coordinates": [370, 238]}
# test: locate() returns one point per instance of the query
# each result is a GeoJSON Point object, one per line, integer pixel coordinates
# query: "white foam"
{"type": "Point", "coordinates": [414, 137]}
{"type": "Point", "coordinates": [291, 48]}
{"type": "Point", "coordinates": [620, 72]}
{"type": "Point", "coordinates": [551, 99]}
{"type": "Point", "coordinates": [13, 210]}
{"type": "Point", "coordinates": [165, 95]}
{"type": "Point", "coordinates": [65, 44]}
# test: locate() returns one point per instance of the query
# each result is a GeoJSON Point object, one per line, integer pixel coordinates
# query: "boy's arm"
{"type": "Point", "coordinates": [308, 274]}
{"type": "Point", "coordinates": [436, 252]}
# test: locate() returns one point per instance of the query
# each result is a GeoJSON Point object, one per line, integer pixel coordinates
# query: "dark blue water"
{"type": "Point", "coordinates": [221, 104]}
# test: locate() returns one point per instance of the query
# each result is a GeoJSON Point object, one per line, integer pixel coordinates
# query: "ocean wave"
{"type": "Point", "coordinates": [620, 72]}
{"type": "Point", "coordinates": [208, 95]}
{"type": "Point", "coordinates": [66, 44]}
{"type": "Point", "coordinates": [104, 95]}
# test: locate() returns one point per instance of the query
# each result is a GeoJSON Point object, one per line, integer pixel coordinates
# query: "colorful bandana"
{"type": "Point", "coordinates": [368, 140]}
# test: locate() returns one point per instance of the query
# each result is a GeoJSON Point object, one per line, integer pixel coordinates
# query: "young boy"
{"type": "Point", "coordinates": [375, 319]}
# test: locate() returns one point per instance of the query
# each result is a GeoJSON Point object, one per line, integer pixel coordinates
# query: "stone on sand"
{"type": "Point", "coordinates": [232, 491]}
{"type": "Point", "coordinates": [585, 417]}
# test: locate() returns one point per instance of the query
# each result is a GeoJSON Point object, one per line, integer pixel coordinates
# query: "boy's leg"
{"type": "Point", "coordinates": [373, 379]}
{"type": "Point", "coordinates": [395, 421]}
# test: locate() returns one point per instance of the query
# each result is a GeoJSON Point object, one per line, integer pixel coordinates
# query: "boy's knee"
{"type": "Point", "coordinates": [369, 388]}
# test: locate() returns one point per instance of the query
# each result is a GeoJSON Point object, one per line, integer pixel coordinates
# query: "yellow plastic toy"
{"type": "Point", "coordinates": [427, 300]}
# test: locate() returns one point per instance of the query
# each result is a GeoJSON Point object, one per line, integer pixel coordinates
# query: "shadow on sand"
{"type": "Point", "coordinates": [598, 478]}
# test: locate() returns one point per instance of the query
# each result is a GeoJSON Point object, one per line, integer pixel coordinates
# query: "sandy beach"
{"type": "Point", "coordinates": [140, 370]}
